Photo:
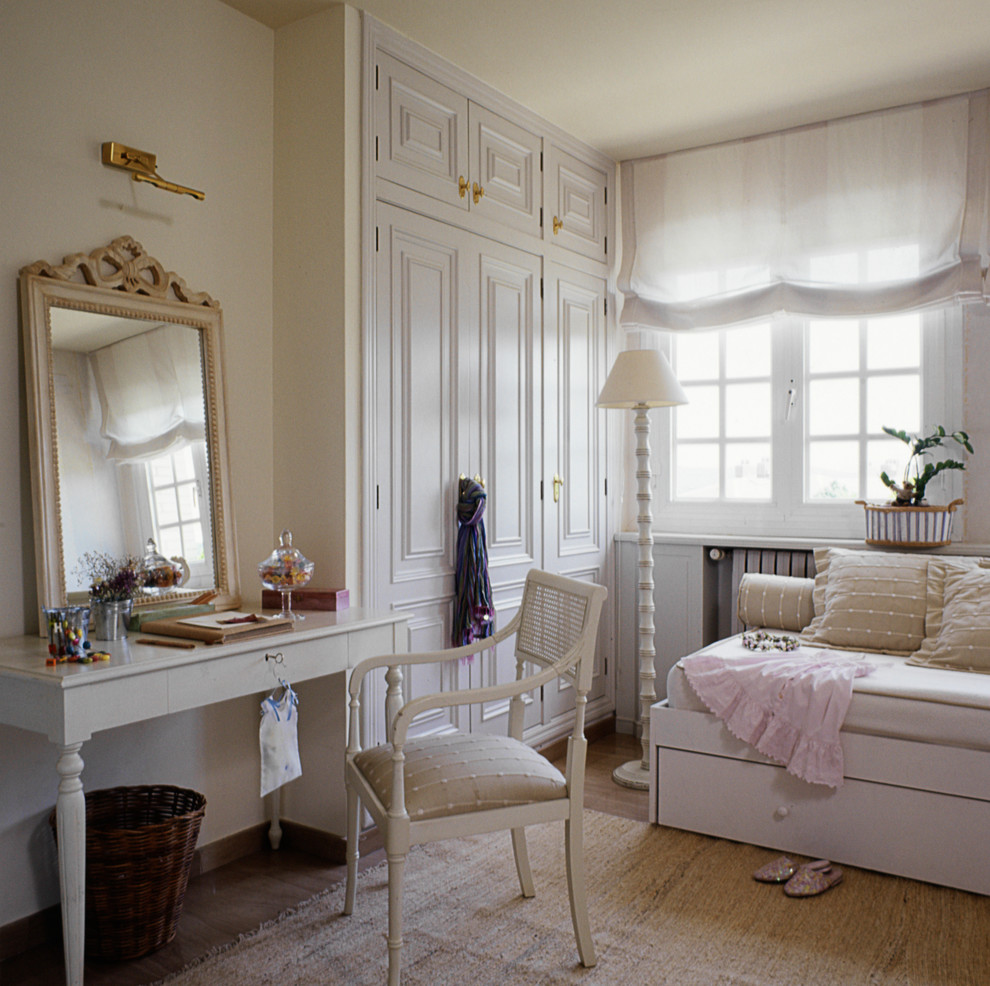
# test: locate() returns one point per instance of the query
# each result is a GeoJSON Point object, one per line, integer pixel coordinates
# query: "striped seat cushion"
{"type": "Point", "coordinates": [456, 773]}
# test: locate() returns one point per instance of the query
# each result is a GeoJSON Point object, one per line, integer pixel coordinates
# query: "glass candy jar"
{"type": "Point", "coordinates": [158, 574]}
{"type": "Point", "coordinates": [286, 569]}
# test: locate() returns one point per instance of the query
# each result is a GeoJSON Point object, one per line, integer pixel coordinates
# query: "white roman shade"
{"type": "Point", "coordinates": [151, 392]}
{"type": "Point", "coordinates": [871, 214]}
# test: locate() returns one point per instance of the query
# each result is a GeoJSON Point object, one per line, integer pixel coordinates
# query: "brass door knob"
{"type": "Point", "coordinates": [478, 192]}
{"type": "Point", "coordinates": [557, 483]}
{"type": "Point", "coordinates": [558, 225]}
{"type": "Point", "coordinates": [462, 185]}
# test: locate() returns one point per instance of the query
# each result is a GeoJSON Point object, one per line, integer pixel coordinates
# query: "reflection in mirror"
{"type": "Point", "coordinates": [126, 414]}
{"type": "Point", "coordinates": [131, 425]}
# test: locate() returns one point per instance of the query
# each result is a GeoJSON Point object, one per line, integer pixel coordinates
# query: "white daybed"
{"type": "Point", "coordinates": [916, 737]}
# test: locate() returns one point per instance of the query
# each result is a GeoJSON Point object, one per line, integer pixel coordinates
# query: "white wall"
{"type": "Point", "coordinates": [317, 357]}
{"type": "Point", "coordinates": [191, 81]}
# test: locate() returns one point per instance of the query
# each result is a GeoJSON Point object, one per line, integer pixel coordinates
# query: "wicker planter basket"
{"type": "Point", "coordinates": [139, 849]}
{"type": "Point", "coordinates": [909, 527]}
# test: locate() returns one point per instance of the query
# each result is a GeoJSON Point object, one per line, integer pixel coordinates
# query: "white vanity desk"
{"type": "Point", "coordinates": [70, 702]}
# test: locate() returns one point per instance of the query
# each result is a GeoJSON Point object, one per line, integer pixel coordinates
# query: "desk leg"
{"type": "Point", "coordinates": [274, 818]}
{"type": "Point", "coordinates": [70, 821]}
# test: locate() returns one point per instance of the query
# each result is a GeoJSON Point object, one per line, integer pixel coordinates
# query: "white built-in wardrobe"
{"type": "Point", "coordinates": [488, 238]}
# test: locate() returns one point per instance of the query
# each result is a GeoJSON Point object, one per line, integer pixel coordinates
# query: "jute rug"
{"type": "Point", "coordinates": [666, 907]}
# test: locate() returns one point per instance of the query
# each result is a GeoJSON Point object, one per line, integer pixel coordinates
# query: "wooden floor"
{"type": "Point", "coordinates": [231, 900]}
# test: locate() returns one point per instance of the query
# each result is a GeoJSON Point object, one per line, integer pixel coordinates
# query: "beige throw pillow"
{"type": "Point", "coordinates": [869, 600]}
{"type": "Point", "coordinates": [959, 617]}
{"type": "Point", "coordinates": [778, 602]}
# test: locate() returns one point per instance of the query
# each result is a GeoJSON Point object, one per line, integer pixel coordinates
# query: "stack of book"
{"type": "Point", "coordinates": [218, 628]}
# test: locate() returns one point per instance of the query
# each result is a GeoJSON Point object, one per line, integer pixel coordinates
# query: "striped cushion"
{"type": "Point", "coordinates": [869, 600]}
{"type": "Point", "coordinates": [778, 602]}
{"type": "Point", "coordinates": [455, 773]}
{"type": "Point", "coordinates": [958, 621]}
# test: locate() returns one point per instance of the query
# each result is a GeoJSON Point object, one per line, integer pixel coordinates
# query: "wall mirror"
{"type": "Point", "coordinates": [125, 390]}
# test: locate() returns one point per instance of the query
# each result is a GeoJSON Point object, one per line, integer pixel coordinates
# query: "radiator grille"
{"type": "Point", "coordinates": [768, 561]}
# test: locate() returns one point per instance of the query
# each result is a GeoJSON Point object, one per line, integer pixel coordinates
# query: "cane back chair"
{"type": "Point", "coordinates": [449, 785]}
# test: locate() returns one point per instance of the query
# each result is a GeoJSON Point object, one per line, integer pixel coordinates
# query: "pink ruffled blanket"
{"type": "Point", "coordinates": [788, 707]}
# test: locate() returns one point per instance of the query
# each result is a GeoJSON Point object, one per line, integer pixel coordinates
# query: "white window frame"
{"type": "Point", "coordinates": [787, 514]}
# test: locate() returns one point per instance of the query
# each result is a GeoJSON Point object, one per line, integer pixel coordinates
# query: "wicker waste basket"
{"type": "Point", "coordinates": [139, 849]}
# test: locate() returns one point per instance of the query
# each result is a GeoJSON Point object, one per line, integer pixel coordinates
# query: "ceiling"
{"type": "Point", "coordinates": [640, 77]}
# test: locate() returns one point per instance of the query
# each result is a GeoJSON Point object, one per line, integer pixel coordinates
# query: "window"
{"type": "Point", "coordinates": [784, 428]}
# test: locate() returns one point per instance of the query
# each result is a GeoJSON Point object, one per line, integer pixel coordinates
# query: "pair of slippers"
{"type": "Point", "coordinates": [800, 879]}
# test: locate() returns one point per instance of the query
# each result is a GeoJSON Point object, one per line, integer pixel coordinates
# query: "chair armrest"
{"type": "Point", "coordinates": [362, 668]}
{"type": "Point", "coordinates": [469, 696]}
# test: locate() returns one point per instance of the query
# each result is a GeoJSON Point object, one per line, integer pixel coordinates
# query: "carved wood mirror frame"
{"type": "Point", "coordinates": [119, 280]}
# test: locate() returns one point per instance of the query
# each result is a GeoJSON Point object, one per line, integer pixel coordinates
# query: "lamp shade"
{"type": "Point", "coordinates": [641, 378]}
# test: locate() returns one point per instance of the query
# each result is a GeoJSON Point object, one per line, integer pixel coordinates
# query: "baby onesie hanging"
{"type": "Point", "coordinates": [278, 738]}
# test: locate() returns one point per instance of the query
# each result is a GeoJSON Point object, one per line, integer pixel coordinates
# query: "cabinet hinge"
{"type": "Point", "coordinates": [606, 666]}
{"type": "Point", "coordinates": [541, 489]}
{"type": "Point", "coordinates": [606, 485]}
{"type": "Point", "coordinates": [376, 80]}
{"type": "Point", "coordinates": [541, 160]}
{"type": "Point", "coordinates": [376, 239]}
{"type": "Point", "coordinates": [541, 217]}
{"type": "Point", "coordinates": [376, 148]}
{"type": "Point", "coordinates": [541, 287]}
{"type": "Point", "coordinates": [377, 500]}
{"type": "Point", "coordinates": [606, 194]}
{"type": "Point", "coordinates": [606, 306]}
{"type": "Point", "coordinates": [606, 246]}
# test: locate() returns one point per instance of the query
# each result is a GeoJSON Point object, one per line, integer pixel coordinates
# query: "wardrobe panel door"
{"type": "Point", "coordinates": [505, 163]}
{"type": "Point", "coordinates": [576, 204]}
{"type": "Point", "coordinates": [575, 542]}
{"type": "Point", "coordinates": [421, 132]}
{"type": "Point", "coordinates": [424, 315]}
{"type": "Point", "coordinates": [511, 385]}
{"type": "Point", "coordinates": [509, 357]}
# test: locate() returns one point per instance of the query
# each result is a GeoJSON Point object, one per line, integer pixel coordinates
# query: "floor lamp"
{"type": "Point", "coordinates": [641, 379]}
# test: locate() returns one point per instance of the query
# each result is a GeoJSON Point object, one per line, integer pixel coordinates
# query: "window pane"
{"type": "Point", "coordinates": [696, 472]}
{"type": "Point", "coordinates": [893, 342]}
{"type": "Point", "coordinates": [699, 417]}
{"type": "Point", "coordinates": [747, 410]}
{"type": "Point", "coordinates": [170, 542]}
{"type": "Point", "coordinates": [833, 407]}
{"type": "Point", "coordinates": [192, 535]}
{"type": "Point", "coordinates": [184, 464]}
{"type": "Point", "coordinates": [833, 345]}
{"type": "Point", "coordinates": [747, 471]}
{"type": "Point", "coordinates": [894, 401]}
{"type": "Point", "coordinates": [188, 501]}
{"type": "Point", "coordinates": [161, 471]}
{"type": "Point", "coordinates": [747, 352]}
{"type": "Point", "coordinates": [696, 356]}
{"type": "Point", "coordinates": [833, 470]}
{"type": "Point", "coordinates": [884, 455]}
{"type": "Point", "coordinates": [165, 507]}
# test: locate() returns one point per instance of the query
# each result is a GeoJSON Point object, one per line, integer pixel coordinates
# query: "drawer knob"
{"type": "Point", "coordinates": [782, 811]}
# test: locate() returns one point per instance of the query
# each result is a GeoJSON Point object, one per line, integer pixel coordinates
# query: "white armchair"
{"type": "Point", "coordinates": [453, 784]}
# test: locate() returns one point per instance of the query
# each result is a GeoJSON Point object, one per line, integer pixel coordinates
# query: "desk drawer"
{"type": "Point", "coordinates": [248, 673]}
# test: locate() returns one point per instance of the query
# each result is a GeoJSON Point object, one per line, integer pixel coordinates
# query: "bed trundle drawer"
{"type": "Point", "coordinates": [920, 834]}
{"type": "Point", "coordinates": [906, 807]}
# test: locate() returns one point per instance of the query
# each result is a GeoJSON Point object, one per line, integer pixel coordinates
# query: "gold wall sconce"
{"type": "Point", "coordinates": [142, 166]}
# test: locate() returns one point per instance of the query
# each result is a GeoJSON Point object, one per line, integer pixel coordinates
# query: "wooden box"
{"type": "Point", "coordinates": [308, 597]}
